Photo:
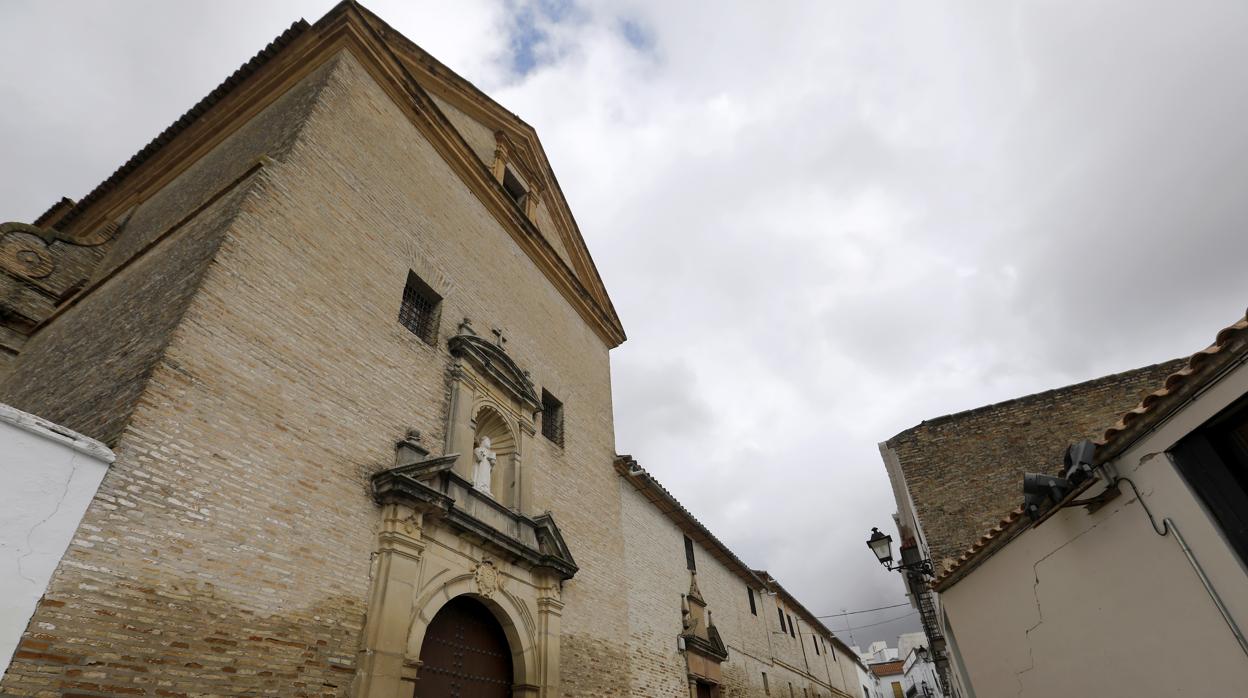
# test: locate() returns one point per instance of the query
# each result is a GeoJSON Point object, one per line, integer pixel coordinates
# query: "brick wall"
{"type": "Point", "coordinates": [227, 552]}
{"type": "Point", "coordinates": [87, 369]}
{"type": "Point", "coordinates": [965, 471]}
{"type": "Point", "coordinates": [655, 561]}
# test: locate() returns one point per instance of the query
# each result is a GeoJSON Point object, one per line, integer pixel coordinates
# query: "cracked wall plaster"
{"type": "Point", "coordinates": [49, 476]}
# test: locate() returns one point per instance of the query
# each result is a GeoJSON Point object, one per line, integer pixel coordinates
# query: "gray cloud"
{"type": "Point", "coordinates": [821, 223]}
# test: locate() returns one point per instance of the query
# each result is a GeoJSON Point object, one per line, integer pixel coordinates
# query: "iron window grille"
{"type": "Point", "coordinates": [552, 418]}
{"type": "Point", "coordinates": [420, 309]}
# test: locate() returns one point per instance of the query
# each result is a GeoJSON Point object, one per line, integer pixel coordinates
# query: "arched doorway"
{"type": "Point", "coordinates": [464, 653]}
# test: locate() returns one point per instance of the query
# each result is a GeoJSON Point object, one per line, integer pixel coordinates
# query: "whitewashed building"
{"type": "Point", "coordinates": [49, 475]}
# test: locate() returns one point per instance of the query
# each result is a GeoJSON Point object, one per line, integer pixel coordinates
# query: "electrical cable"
{"type": "Point", "coordinates": [872, 625]}
{"type": "Point", "coordinates": [865, 610]}
{"type": "Point", "coordinates": [1167, 527]}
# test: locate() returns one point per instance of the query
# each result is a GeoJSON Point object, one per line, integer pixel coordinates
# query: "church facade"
{"type": "Point", "coordinates": [348, 345]}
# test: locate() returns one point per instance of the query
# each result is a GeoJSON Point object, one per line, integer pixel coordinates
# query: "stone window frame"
{"type": "Point", "coordinates": [552, 418]}
{"type": "Point", "coordinates": [422, 324]}
{"type": "Point", "coordinates": [520, 181]}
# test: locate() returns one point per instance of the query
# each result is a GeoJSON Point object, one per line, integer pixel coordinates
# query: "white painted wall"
{"type": "Point", "coordinates": [48, 476]}
{"type": "Point", "coordinates": [1098, 604]}
{"type": "Point", "coordinates": [918, 670]}
{"type": "Point", "coordinates": [867, 681]}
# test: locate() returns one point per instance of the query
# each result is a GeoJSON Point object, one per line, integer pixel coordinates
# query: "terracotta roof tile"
{"type": "Point", "coordinates": [883, 669]}
{"type": "Point", "coordinates": [1201, 368]}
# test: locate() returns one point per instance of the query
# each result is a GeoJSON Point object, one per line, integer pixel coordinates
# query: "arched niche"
{"type": "Point", "coordinates": [489, 421]}
{"type": "Point", "coordinates": [491, 394]}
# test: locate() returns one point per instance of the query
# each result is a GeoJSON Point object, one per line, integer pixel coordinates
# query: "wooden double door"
{"type": "Point", "coordinates": [465, 654]}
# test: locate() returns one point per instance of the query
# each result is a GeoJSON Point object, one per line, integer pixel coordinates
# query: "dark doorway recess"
{"type": "Point", "coordinates": [464, 654]}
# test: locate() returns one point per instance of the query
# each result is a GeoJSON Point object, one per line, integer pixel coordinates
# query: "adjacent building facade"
{"type": "Point", "coordinates": [50, 475]}
{"type": "Point", "coordinates": [348, 345]}
{"type": "Point", "coordinates": [1135, 538]}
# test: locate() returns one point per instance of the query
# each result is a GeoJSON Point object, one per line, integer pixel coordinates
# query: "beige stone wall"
{"type": "Point", "coordinates": [251, 374]}
{"type": "Point", "coordinates": [655, 560]}
{"type": "Point", "coordinates": [1098, 604]}
{"type": "Point", "coordinates": [229, 549]}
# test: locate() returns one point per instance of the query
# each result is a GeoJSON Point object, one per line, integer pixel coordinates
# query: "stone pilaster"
{"type": "Point", "coordinates": [396, 574]}
{"type": "Point", "coordinates": [459, 422]}
{"type": "Point", "coordinates": [549, 615]}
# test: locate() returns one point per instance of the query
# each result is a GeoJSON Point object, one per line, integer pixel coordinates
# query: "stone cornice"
{"type": "Point", "coordinates": [436, 492]}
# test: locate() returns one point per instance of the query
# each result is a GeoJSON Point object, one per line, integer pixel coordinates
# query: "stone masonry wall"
{"type": "Point", "coordinates": [655, 559]}
{"type": "Point", "coordinates": [228, 550]}
{"type": "Point", "coordinates": [87, 369]}
{"type": "Point", "coordinates": [965, 471]}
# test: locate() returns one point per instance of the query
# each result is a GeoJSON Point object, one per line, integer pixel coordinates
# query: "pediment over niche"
{"type": "Point", "coordinates": [493, 361]}
{"type": "Point", "coordinates": [550, 540]}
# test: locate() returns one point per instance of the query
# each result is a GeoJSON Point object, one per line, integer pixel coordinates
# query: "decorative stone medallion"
{"type": "Point", "coordinates": [486, 575]}
{"type": "Point", "coordinates": [26, 255]}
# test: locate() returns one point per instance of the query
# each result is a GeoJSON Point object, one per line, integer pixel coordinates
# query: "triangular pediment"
{"type": "Point", "coordinates": [550, 540]}
{"type": "Point", "coordinates": [417, 83]}
{"type": "Point", "coordinates": [472, 114]}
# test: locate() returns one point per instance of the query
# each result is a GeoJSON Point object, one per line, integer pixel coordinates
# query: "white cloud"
{"type": "Point", "coordinates": [820, 222]}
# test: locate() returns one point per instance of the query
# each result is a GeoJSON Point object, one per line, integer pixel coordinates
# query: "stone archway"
{"type": "Point", "coordinates": [464, 652]}
{"type": "Point", "coordinates": [510, 615]}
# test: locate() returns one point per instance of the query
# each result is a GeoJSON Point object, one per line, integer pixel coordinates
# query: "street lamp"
{"type": "Point", "coordinates": [882, 545]}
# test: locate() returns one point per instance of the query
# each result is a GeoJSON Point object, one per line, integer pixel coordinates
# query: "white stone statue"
{"type": "Point", "coordinates": [485, 459]}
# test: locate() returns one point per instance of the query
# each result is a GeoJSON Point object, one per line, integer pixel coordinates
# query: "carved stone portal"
{"type": "Point", "coordinates": [442, 539]}
{"type": "Point", "coordinates": [493, 403]}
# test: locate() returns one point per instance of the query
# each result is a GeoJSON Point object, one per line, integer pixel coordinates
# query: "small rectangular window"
{"type": "Point", "coordinates": [753, 608]}
{"type": "Point", "coordinates": [689, 561]}
{"type": "Point", "coordinates": [815, 639]}
{"type": "Point", "coordinates": [420, 309]}
{"type": "Point", "coordinates": [552, 418]}
{"type": "Point", "coordinates": [766, 686]}
{"type": "Point", "coordinates": [792, 632]}
{"type": "Point", "coordinates": [514, 187]}
{"type": "Point", "coordinates": [781, 612]}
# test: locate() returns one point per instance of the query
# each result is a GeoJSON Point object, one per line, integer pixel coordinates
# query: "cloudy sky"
{"type": "Point", "coordinates": [821, 223]}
